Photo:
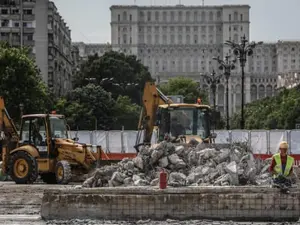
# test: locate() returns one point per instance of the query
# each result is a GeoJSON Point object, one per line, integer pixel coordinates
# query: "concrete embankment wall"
{"type": "Point", "coordinates": [219, 203]}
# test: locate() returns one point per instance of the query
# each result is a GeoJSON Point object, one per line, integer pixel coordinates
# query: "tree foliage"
{"type": "Point", "coordinates": [21, 83]}
{"type": "Point", "coordinates": [186, 87]}
{"type": "Point", "coordinates": [124, 69]}
{"type": "Point", "coordinates": [279, 112]}
{"type": "Point", "coordinates": [127, 114]}
{"type": "Point", "coordinates": [87, 107]}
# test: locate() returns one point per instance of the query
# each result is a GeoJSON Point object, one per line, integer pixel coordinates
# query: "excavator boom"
{"type": "Point", "coordinates": [152, 98]}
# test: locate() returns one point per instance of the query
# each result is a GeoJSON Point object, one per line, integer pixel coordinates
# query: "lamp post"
{"type": "Point", "coordinates": [212, 80]}
{"type": "Point", "coordinates": [242, 50]}
{"type": "Point", "coordinates": [226, 66]}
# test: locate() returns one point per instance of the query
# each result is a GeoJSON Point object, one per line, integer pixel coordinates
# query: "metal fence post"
{"type": "Point", "coordinates": [91, 138]}
{"type": "Point", "coordinates": [249, 138]}
{"type": "Point", "coordinates": [268, 142]}
{"type": "Point", "coordinates": [122, 140]}
{"type": "Point", "coordinates": [288, 138]}
{"type": "Point", "coordinates": [230, 136]}
{"type": "Point", "coordinates": [107, 141]}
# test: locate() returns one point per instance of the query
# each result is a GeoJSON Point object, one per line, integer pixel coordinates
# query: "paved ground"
{"type": "Point", "coordinates": [20, 205]}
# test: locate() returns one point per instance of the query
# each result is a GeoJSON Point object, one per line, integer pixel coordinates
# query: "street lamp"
{"type": "Point", "coordinates": [212, 80]}
{"type": "Point", "coordinates": [242, 50]}
{"type": "Point", "coordinates": [21, 105]}
{"type": "Point", "coordinates": [227, 66]}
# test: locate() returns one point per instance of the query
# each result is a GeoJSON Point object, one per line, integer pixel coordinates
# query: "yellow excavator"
{"type": "Point", "coordinates": [42, 148]}
{"type": "Point", "coordinates": [176, 122]}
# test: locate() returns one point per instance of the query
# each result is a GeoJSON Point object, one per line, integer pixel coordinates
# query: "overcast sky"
{"type": "Point", "coordinates": [270, 20]}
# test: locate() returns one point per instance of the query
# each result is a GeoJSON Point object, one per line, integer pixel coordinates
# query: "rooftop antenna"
{"type": "Point", "coordinates": [202, 2]}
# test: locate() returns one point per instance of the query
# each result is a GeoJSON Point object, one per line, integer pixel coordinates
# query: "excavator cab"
{"type": "Point", "coordinates": [188, 121]}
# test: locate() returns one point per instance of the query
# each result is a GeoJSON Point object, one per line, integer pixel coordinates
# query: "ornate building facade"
{"type": "Point", "coordinates": [181, 41]}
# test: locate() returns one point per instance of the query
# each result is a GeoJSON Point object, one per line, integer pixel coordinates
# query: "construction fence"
{"type": "Point", "coordinates": [261, 141]}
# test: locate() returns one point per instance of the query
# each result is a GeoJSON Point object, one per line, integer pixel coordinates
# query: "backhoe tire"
{"type": "Point", "coordinates": [49, 178]}
{"type": "Point", "coordinates": [23, 168]}
{"type": "Point", "coordinates": [63, 172]}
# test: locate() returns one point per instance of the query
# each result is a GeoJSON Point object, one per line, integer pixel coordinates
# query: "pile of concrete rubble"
{"type": "Point", "coordinates": [186, 165]}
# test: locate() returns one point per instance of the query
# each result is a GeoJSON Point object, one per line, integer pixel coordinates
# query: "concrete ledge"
{"type": "Point", "coordinates": [216, 203]}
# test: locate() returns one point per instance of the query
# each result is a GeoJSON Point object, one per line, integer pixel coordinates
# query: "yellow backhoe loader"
{"type": "Point", "coordinates": [178, 122]}
{"type": "Point", "coordinates": [42, 148]}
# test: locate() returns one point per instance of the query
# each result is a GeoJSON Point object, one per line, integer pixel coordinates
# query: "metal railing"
{"type": "Point", "coordinates": [261, 141]}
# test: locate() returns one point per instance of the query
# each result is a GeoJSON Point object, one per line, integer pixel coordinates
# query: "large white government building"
{"type": "Point", "coordinates": [181, 41]}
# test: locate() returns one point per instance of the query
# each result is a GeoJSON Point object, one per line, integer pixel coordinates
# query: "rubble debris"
{"type": "Point", "coordinates": [186, 165]}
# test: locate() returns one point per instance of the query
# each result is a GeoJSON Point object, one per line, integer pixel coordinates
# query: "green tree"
{"type": "Point", "coordinates": [21, 83]}
{"type": "Point", "coordinates": [186, 87]}
{"type": "Point", "coordinates": [124, 69]}
{"type": "Point", "coordinates": [127, 114]}
{"type": "Point", "coordinates": [88, 106]}
{"type": "Point", "coordinates": [279, 112]}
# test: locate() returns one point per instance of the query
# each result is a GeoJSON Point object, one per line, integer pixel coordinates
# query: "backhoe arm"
{"type": "Point", "coordinates": [152, 98]}
{"type": "Point", "coordinates": [8, 131]}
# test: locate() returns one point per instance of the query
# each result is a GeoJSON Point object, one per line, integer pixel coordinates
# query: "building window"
{"type": "Point", "coordinates": [179, 16]}
{"type": "Point", "coordinates": [172, 16]}
{"type": "Point", "coordinates": [195, 16]}
{"type": "Point", "coordinates": [203, 16]}
{"type": "Point", "coordinates": [130, 40]}
{"type": "Point", "coordinates": [188, 39]}
{"type": "Point", "coordinates": [195, 39]}
{"type": "Point", "coordinates": [149, 41]}
{"type": "Point", "coordinates": [235, 16]}
{"type": "Point", "coordinates": [164, 39]}
{"type": "Point", "coordinates": [211, 16]}
{"type": "Point", "coordinates": [124, 38]}
{"type": "Point", "coordinates": [164, 16]}
{"type": "Point", "coordinates": [119, 17]}
{"type": "Point", "coordinates": [187, 15]}
{"type": "Point", "coordinates": [27, 11]}
{"type": "Point", "coordinates": [130, 17]}
{"type": "Point", "coordinates": [172, 39]}
{"type": "Point", "coordinates": [229, 17]}
{"type": "Point", "coordinates": [241, 17]}
{"type": "Point", "coordinates": [149, 16]}
{"type": "Point", "coordinates": [124, 15]}
{"type": "Point", "coordinates": [156, 16]}
{"type": "Point", "coordinates": [179, 39]}
{"type": "Point", "coordinates": [218, 15]}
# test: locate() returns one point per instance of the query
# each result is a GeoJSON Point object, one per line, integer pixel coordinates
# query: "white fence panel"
{"type": "Point", "coordinates": [259, 142]}
{"type": "Point", "coordinates": [129, 141]}
{"type": "Point", "coordinates": [295, 141]}
{"type": "Point", "coordinates": [114, 141]}
{"type": "Point", "coordinates": [99, 138]}
{"type": "Point", "coordinates": [276, 137]}
{"type": "Point", "coordinates": [239, 136]}
{"type": "Point", "coordinates": [83, 135]}
{"type": "Point", "coordinates": [223, 137]}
